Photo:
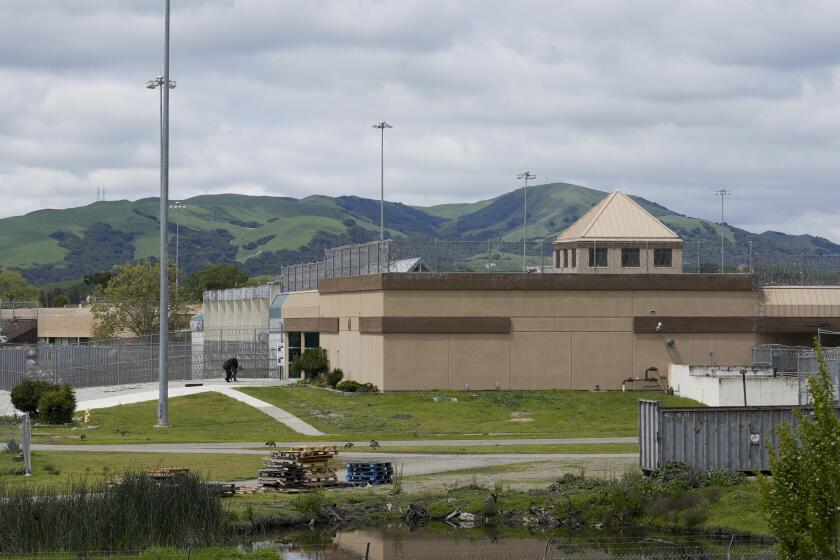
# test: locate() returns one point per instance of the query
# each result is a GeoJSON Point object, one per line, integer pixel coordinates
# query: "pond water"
{"type": "Point", "coordinates": [439, 541]}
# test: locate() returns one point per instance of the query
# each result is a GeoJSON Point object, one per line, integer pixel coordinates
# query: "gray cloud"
{"type": "Point", "coordinates": [667, 100]}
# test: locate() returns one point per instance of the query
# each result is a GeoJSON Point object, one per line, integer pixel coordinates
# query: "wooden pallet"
{"type": "Point", "coordinates": [165, 472]}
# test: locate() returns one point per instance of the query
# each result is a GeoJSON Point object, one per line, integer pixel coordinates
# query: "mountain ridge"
{"type": "Point", "coordinates": [262, 233]}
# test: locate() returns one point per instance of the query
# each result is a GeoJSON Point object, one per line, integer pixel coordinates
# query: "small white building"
{"type": "Point", "coordinates": [727, 385]}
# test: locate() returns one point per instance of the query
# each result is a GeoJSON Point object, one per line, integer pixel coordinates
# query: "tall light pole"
{"type": "Point", "coordinates": [163, 366]}
{"type": "Point", "coordinates": [382, 126]}
{"type": "Point", "coordinates": [177, 205]}
{"type": "Point", "coordinates": [527, 176]}
{"type": "Point", "coordinates": [722, 193]}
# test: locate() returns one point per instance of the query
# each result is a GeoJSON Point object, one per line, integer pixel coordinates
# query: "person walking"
{"type": "Point", "coordinates": [231, 367]}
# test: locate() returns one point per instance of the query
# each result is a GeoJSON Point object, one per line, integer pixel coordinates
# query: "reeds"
{"type": "Point", "coordinates": [138, 513]}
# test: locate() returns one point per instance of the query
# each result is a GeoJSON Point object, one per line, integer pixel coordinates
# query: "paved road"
{"type": "Point", "coordinates": [256, 448]}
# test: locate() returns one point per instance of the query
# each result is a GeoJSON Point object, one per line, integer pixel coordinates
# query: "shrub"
{"type": "Point", "coordinates": [313, 362]}
{"type": "Point", "coordinates": [27, 394]}
{"type": "Point", "coordinates": [57, 406]}
{"type": "Point", "coordinates": [334, 377]}
{"type": "Point", "coordinates": [350, 386]}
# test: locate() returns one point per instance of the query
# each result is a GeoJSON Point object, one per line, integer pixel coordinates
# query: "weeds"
{"type": "Point", "coordinates": [136, 514]}
{"type": "Point", "coordinates": [474, 485]}
{"type": "Point", "coordinates": [398, 482]}
{"type": "Point", "coordinates": [310, 505]}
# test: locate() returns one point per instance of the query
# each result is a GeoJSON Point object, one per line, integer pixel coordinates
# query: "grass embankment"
{"type": "Point", "coordinates": [56, 467]}
{"type": "Point", "coordinates": [415, 414]}
{"type": "Point", "coordinates": [730, 509]}
{"type": "Point", "coordinates": [218, 553]}
{"type": "Point", "coordinates": [205, 417]}
{"type": "Point", "coordinates": [212, 417]}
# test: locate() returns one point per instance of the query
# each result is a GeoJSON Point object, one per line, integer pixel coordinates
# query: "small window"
{"type": "Point", "coordinates": [565, 258]}
{"type": "Point", "coordinates": [295, 340]}
{"type": "Point", "coordinates": [662, 258]}
{"type": "Point", "coordinates": [574, 258]}
{"type": "Point", "coordinates": [598, 257]}
{"type": "Point", "coordinates": [630, 258]}
{"type": "Point", "coordinates": [312, 340]}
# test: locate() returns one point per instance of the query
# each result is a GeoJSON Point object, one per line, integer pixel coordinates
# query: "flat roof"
{"type": "Point", "coordinates": [536, 281]}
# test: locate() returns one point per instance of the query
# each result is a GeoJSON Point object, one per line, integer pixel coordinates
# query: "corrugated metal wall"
{"type": "Point", "coordinates": [733, 438]}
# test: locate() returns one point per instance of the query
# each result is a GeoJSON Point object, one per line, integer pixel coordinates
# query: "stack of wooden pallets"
{"type": "Point", "coordinates": [370, 473]}
{"type": "Point", "coordinates": [165, 472]}
{"type": "Point", "coordinates": [299, 467]}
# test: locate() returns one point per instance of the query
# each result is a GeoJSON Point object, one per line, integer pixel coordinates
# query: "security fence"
{"type": "Point", "coordinates": [536, 255]}
{"type": "Point", "coordinates": [800, 361]}
{"type": "Point", "coordinates": [192, 356]}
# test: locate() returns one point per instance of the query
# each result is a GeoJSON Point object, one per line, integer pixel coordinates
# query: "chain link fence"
{"type": "Point", "coordinates": [536, 255]}
{"type": "Point", "coordinates": [192, 356]}
{"type": "Point", "coordinates": [800, 361]}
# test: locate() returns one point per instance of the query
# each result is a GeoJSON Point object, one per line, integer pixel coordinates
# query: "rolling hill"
{"type": "Point", "coordinates": [262, 233]}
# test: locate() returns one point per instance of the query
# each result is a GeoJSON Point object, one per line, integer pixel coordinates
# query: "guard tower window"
{"type": "Point", "coordinates": [662, 258]}
{"type": "Point", "coordinates": [565, 258]}
{"type": "Point", "coordinates": [630, 258]}
{"type": "Point", "coordinates": [574, 258]}
{"type": "Point", "coordinates": [598, 257]}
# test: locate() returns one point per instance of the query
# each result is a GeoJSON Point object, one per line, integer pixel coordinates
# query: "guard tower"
{"type": "Point", "coordinates": [620, 237]}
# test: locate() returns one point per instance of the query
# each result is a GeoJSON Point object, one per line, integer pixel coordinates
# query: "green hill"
{"type": "Point", "coordinates": [262, 233]}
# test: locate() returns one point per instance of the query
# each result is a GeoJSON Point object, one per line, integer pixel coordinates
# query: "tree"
{"type": "Point", "coordinates": [14, 287]}
{"type": "Point", "coordinates": [802, 498]}
{"type": "Point", "coordinates": [60, 300]}
{"type": "Point", "coordinates": [98, 278]}
{"type": "Point", "coordinates": [130, 301]}
{"type": "Point", "coordinates": [215, 277]}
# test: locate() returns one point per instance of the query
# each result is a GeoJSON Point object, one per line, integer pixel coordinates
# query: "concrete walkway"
{"type": "Point", "coordinates": [92, 398]}
{"type": "Point", "coordinates": [275, 412]}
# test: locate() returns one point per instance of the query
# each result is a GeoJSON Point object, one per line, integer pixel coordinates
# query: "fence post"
{"type": "Point", "coordinates": [27, 445]}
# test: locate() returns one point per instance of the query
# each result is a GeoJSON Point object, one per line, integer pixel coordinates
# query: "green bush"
{"type": "Point", "coordinates": [27, 394]}
{"type": "Point", "coordinates": [312, 363]}
{"type": "Point", "coordinates": [350, 386]}
{"type": "Point", "coordinates": [57, 405]}
{"type": "Point", "coordinates": [334, 377]}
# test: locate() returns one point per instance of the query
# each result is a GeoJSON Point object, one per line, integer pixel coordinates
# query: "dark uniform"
{"type": "Point", "coordinates": [231, 366]}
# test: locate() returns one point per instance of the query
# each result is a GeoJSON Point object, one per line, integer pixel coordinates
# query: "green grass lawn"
{"type": "Point", "coordinates": [405, 415]}
{"type": "Point", "coordinates": [50, 467]}
{"type": "Point", "coordinates": [205, 417]}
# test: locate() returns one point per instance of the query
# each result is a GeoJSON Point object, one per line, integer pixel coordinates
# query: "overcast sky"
{"type": "Point", "coordinates": [666, 100]}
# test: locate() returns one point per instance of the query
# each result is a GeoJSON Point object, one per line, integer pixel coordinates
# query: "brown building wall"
{"type": "Point", "coordinates": [573, 339]}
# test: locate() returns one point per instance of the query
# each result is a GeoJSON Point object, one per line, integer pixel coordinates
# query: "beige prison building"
{"type": "Point", "coordinates": [593, 321]}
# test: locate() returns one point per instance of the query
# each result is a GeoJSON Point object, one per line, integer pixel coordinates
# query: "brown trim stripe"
{"type": "Point", "coordinates": [435, 325]}
{"type": "Point", "coordinates": [312, 324]}
{"type": "Point", "coordinates": [547, 281]}
{"type": "Point", "coordinates": [647, 324]}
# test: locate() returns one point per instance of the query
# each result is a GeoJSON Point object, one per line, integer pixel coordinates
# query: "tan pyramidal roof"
{"type": "Point", "coordinates": [618, 217]}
